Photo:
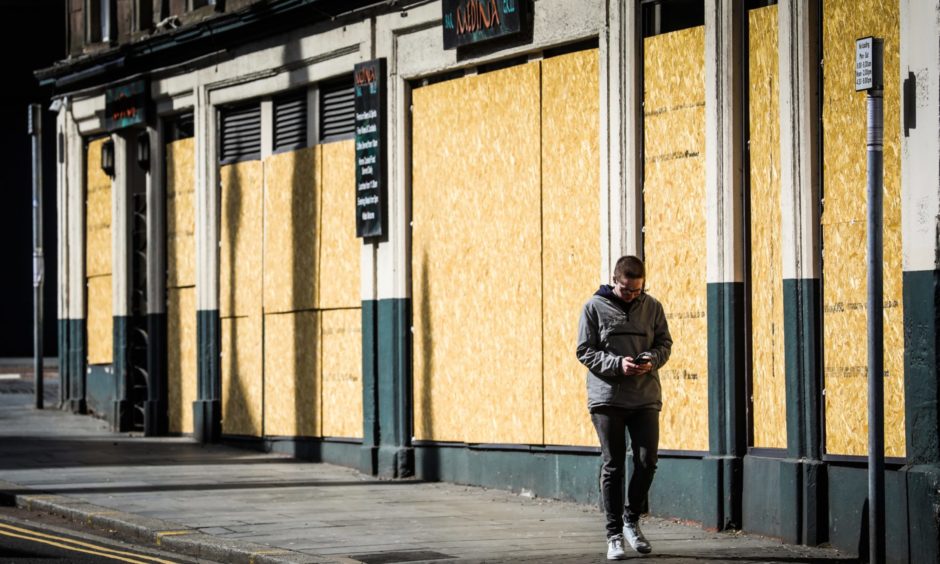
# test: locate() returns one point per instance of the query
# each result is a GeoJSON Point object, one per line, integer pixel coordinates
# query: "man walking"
{"type": "Point", "coordinates": [623, 339]}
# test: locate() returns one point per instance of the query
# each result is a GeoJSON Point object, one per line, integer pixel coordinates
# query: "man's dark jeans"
{"type": "Point", "coordinates": [612, 425]}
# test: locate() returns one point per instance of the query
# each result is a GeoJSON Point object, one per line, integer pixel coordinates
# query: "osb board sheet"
{"type": "Point", "coordinates": [290, 231]}
{"type": "Point", "coordinates": [241, 376]}
{"type": "Point", "coordinates": [100, 320]}
{"type": "Point", "coordinates": [340, 255]}
{"type": "Point", "coordinates": [845, 323]}
{"type": "Point", "coordinates": [674, 236]}
{"type": "Point", "coordinates": [180, 214]}
{"type": "Point", "coordinates": [97, 213]}
{"type": "Point", "coordinates": [240, 275]}
{"type": "Point", "coordinates": [181, 358]}
{"type": "Point", "coordinates": [844, 232]}
{"type": "Point", "coordinates": [767, 353]}
{"type": "Point", "coordinates": [341, 362]}
{"type": "Point", "coordinates": [476, 258]}
{"type": "Point", "coordinates": [571, 253]}
{"type": "Point", "coordinates": [291, 374]}
{"type": "Point", "coordinates": [844, 109]}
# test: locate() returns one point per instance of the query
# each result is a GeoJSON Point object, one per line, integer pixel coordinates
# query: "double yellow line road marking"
{"type": "Point", "coordinates": [73, 545]}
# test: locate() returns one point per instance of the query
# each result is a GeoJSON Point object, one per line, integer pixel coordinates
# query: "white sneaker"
{"type": "Point", "coordinates": [631, 530]}
{"type": "Point", "coordinates": [615, 548]}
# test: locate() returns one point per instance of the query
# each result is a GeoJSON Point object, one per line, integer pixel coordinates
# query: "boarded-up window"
{"type": "Point", "coordinates": [241, 133]}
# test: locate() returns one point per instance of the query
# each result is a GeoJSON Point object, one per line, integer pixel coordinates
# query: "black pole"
{"type": "Point", "coordinates": [876, 432]}
{"type": "Point", "coordinates": [35, 131]}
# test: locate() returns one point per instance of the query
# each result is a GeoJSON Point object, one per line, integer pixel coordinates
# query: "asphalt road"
{"type": "Point", "coordinates": [37, 538]}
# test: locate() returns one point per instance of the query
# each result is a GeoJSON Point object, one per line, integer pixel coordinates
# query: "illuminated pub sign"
{"type": "Point", "coordinates": [472, 21]}
{"type": "Point", "coordinates": [369, 81]}
{"type": "Point", "coordinates": [125, 105]}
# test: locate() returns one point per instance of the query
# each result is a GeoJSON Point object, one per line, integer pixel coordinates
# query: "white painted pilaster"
{"type": "Point", "coordinates": [723, 162]}
{"type": "Point", "coordinates": [121, 209]}
{"type": "Point", "coordinates": [207, 203]}
{"type": "Point", "coordinates": [920, 136]}
{"type": "Point", "coordinates": [75, 193]}
{"type": "Point", "coordinates": [799, 130]}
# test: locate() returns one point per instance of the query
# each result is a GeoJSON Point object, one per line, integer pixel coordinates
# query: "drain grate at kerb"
{"type": "Point", "coordinates": [395, 557]}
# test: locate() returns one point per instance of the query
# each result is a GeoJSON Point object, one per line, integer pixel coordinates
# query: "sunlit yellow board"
{"type": "Point", "coordinates": [292, 374]}
{"type": "Point", "coordinates": [845, 316]}
{"type": "Point", "coordinates": [180, 214]}
{"type": "Point", "coordinates": [476, 258]}
{"type": "Point", "coordinates": [181, 358]}
{"type": "Point", "coordinates": [291, 230]}
{"type": "Point", "coordinates": [240, 249]}
{"type": "Point", "coordinates": [570, 234]}
{"type": "Point", "coordinates": [767, 352]}
{"type": "Point", "coordinates": [99, 302]}
{"type": "Point", "coordinates": [674, 235]}
{"type": "Point", "coordinates": [341, 363]}
{"type": "Point", "coordinates": [241, 376]}
{"type": "Point", "coordinates": [340, 250]}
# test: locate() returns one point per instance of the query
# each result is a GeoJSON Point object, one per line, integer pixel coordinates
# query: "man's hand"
{"type": "Point", "coordinates": [631, 369]}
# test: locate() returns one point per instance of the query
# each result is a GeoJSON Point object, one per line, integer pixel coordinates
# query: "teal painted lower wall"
{"type": "Point", "coordinates": [922, 411]}
{"type": "Point", "coordinates": [63, 357]}
{"type": "Point", "coordinates": [848, 512]}
{"type": "Point", "coordinates": [207, 409]}
{"type": "Point", "coordinates": [99, 391]}
{"type": "Point", "coordinates": [393, 373]}
{"type": "Point", "coordinates": [77, 356]}
{"type": "Point", "coordinates": [772, 496]}
{"type": "Point", "coordinates": [342, 453]}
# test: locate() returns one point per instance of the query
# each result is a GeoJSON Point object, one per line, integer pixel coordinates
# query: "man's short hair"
{"type": "Point", "coordinates": [629, 267]}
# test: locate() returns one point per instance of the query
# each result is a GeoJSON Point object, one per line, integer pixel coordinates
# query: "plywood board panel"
{"type": "Point", "coordinates": [100, 320]}
{"type": "Point", "coordinates": [180, 214]}
{"type": "Point", "coordinates": [341, 360]}
{"type": "Point", "coordinates": [290, 231]}
{"type": "Point", "coordinates": [844, 110]}
{"type": "Point", "coordinates": [97, 213]}
{"type": "Point", "coordinates": [240, 252]}
{"type": "Point", "coordinates": [571, 254]}
{"type": "Point", "coordinates": [241, 376]}
{"type": "Point", "coordinates": [291, 374]}
{"type": "Point", "coordinates": [845, 325]}
{"type": "Point", "coordinates": [476, 258]}
{"type": "Point", "coordinates": [340, 256]}
{"type": "Point", "coordinates": [181, 358]}
{"type": "Point", "coordinates": [674, 207]}
{"type": "Point", "coordinates": [844, 230]}
{"type": "Point", "coordinates": [768, 378]}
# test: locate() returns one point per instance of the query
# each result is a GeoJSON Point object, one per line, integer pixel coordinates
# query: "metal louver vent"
{"type": "Point", "coordinates": [241, 133]}
{"type": "Point", "coordinates": [290, 121]}
{"type": "Point", "coordinates": [178, 127]}
{"type": "Point", "coordinates": [337, 110]}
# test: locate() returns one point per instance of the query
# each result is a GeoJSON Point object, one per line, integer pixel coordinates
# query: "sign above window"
{"type": "Point", "coordinates": [471, 21]}
{"type": "Point", "coordinates": [126, 105]}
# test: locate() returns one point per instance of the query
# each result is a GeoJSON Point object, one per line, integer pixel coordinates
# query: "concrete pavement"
{"type": "Point", "coordinates": [231, 505]}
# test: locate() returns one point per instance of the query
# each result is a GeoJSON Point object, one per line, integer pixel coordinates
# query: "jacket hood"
{"type": "Point", "coordinates": [606, 291]}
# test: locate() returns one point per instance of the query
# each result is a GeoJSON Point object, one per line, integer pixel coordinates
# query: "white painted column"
{"type": "Point", "coordinates": [62, 212]}
{"type": "Point", "coordinates": [75, 171]}
{"type": "Point", "coordinates": [621, 113]}
{"type": "Point", "coordinates": [120, 225]}
{"type": "Point", "coordinates": [723, 162]}
{"type": "Point", "coordinates": [799, 130]}
{"type": "Point", "coordinates": [920, 137]}
{"type": "Point", "coordinates": [207, 203]}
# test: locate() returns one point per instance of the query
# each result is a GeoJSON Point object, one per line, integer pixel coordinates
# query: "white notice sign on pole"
{"type": "Point", "coordinates": [864, 79]}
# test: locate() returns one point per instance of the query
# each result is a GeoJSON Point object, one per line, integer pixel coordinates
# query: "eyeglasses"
{"type": "Point", "coordinates": [627, 291]}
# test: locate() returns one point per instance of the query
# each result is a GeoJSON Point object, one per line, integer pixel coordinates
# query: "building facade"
{"type": "Point", "coordinates": [361, 232]}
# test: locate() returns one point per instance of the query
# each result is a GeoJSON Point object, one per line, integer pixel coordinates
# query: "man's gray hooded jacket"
{"type": "Point", "coordinates": [610, 329]}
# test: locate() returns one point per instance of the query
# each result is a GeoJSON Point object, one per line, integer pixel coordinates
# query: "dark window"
{"type": "Point", "coordinates": [290, 121]}
{"type": "Point", "coordinates": [337, 110]}
{"type": "Point", "coordinates": [144, 15]}
{"type": "Point", "coordinates": [241, 133]}
{"type": "Point", "coordinates": [178, 127]}
{"type": "Point", "coordinates": [196, 4]}
{"type": "Point", "coordinates": [99, 21]}
{"type": "Point", "coordinates": [663, 16]}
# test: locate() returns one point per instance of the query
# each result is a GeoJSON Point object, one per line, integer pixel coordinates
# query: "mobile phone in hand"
{"type": "Point", "coordinates": [643, 358]}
